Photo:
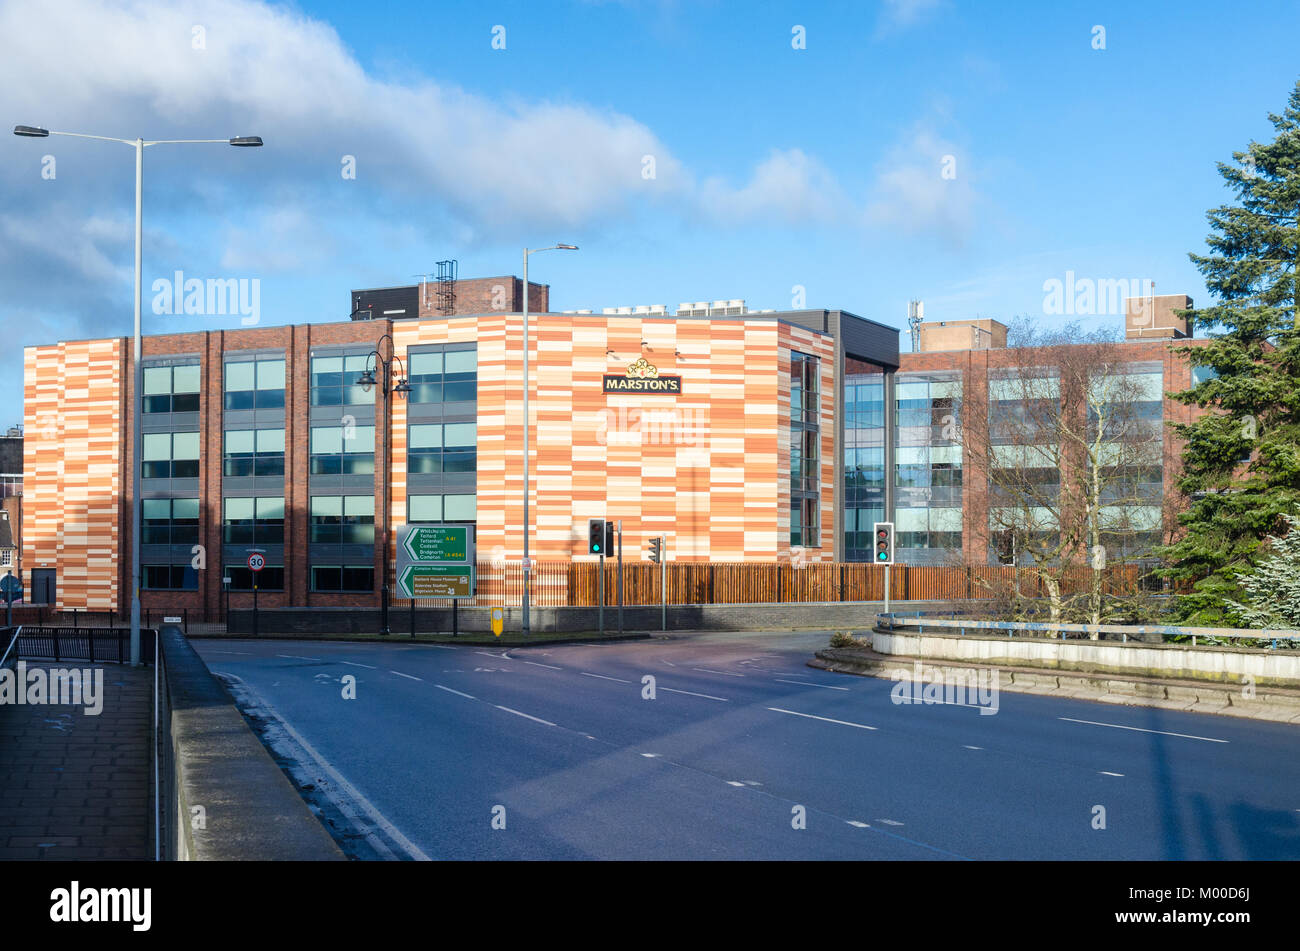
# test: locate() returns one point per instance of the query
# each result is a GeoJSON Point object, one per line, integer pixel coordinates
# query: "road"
{"type": "Point", "coordinates": [741, 745]}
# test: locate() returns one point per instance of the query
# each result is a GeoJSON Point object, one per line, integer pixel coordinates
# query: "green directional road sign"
{"type": "Point", "coordinates": [440, 543]}
{"type": "Point", "coordinates": [436, 581]}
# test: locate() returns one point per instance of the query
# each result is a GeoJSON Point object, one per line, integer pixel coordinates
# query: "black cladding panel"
{"type": "Point", "coordinates": [392, 302]}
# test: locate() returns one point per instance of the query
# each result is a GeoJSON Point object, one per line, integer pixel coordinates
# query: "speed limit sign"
{"type": "Point", "coordinates": [256, 562]}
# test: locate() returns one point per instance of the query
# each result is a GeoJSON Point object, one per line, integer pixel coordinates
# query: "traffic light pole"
{"type": "Point", "coordinates": [663, 587]}
{"type": "Point", "coordinates": [600, 592]}
{"type": "Point", "coordinates": [619, 580]}
{"type": "Point", "coordinates": [886, 589]}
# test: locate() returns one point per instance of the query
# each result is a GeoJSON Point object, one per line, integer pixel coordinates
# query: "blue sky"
{"type": "Point", "coordinates": [774, 167]}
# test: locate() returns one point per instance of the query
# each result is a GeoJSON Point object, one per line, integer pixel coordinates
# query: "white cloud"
{"type": "Point", "coordinates": [788, 185]}
{"type": "Point", "coordinates": [897, 15]}
{"type": "Point", "coordinates": [911, 191]}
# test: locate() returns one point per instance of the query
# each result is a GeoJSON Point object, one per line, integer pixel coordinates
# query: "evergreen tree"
{"type": "Point", "coordinates": [1273, 589]}
{"type": "Point", "coordinates": [1253, 400]}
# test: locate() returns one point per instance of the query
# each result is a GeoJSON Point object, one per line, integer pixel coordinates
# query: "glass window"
{"type": "Point", "coordinates": [443, 376]}
{"type": "Point", "coordinates": [342, 578]}
{"type": "Point", "coordinates": [424, 508]}
{"type": "Point", "coordinates": [334, 380]}
{"type": "Point", "coordinates": [169, 521]}
{"type": "Point", "coordinates": [343, 520]}
{"type": "Point", "coordinates": [171, 389]}
{"type": "Point", "coordinates": [342, 449]}
{"type": "Point", "coordinates": [169, 577]}
{"type": "Point", "coordinates": [252, 521]}
{"type": "Point", "coordinates": [270, 578]}
{"type": "Point", "coordinates": [170, 456]}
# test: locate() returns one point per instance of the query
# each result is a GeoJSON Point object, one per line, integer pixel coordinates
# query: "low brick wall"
{"type": "Point", "coordinates": [213, 760]}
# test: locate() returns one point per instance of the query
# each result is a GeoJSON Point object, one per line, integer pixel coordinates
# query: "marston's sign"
{"type": "Point", "coordinates": [642, 377]}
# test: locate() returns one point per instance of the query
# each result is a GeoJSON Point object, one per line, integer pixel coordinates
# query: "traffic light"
{"type": "Point", "coordinates": [596, 542]}
{"type": "Point", "coordinates": [884, 542]}
{"type": "Point", "coordinates": [656, 550]}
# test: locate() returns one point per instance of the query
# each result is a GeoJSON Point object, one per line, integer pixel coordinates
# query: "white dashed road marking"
{"type": "Point", "coordinates": [796, 713]}
{"type": "Point", "coordinates": [603, 677]}
{"type": "Point", "coordinates": [690, 694]}
{"type": "Point", "coordinates": [350, 664]}
{"type": "Point", "coordinates": [705, 670]}
{"type": "Point", "coordinates": [297, 657]}
{"type": "Point", "coordinates": [855, 823]}
{"type": "Point", "coordinates": [1105, 773]}
{"type": "Point", "coordinates": [1138, 729]}
{"type": "Point", "coordinates": [547, 666]}
{"type": "Point", "coordinates": [407, 676]}
{"type": "Point", "coordinates": [456, 692]}
{"type": "Point", "coordinates": [524, 715]}
{"type": "Point", "coordinates": [803, 683]}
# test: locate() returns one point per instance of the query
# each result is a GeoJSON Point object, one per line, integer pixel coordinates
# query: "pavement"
{"type": "Point", "coordinates": [744, 752]}
{"type": "Point", "coordinates": [74, 786]}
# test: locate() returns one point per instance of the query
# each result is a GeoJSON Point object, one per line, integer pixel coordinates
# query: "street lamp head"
{"type": "Point", "coordinates": [566, 247]}
{"type": "Point", "coordinates": [31, 131]}
{"type": "Point", "coordinates": [402, 388]}
{"type": "Point", "coordinates": [367, 379]}
{"type": "Point", "coordinates": [247, 141]}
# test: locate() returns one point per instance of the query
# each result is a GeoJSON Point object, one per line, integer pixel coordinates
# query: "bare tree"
{"type": "Point", "coordinates": [1070, 450]}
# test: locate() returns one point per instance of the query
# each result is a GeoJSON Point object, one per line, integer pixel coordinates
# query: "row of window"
{"type": "Point", "coordinates": [335, 450]}
{"type": "Point", "coordinates": [324, 578]}
{"type": "Point", "coordinates": [334, 519]}
{"type": "Point", "coordinates": [259, 383]}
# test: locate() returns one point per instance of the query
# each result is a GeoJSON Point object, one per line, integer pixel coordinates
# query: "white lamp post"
{"type": "Point", "coordinates": [246, 141]}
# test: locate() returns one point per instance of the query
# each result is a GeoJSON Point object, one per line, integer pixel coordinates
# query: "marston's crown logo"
{"type": "Point", "coordinates": [642, 369]}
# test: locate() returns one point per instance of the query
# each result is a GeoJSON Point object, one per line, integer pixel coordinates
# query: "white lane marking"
{"type": "Point", "coordinates": [668, 662]}
{"type": "Point", "coordinates": [796, 713]}
{"type": "Point", "coordinates": [350, 664]}
{"type": "Point", "coordinates": [297, 657]}
{"type": "Point", "coordinates": [973, 747]}
{"type": "Point", "coordinates": [456, 692]}
{"type": "Point", "coordinates": [855, 823]}
{"type": "Point", "coordinates": [603, 677]}
{"type": "Point", "coordinates": [242, 653]}
{"type": "Point", "coordinates": [646, 755]}
{"type": "Point", "coordinates": [1105, 773]}
{"type": "Point", "coordinates": [803, 683]}
{"type": "Point", "coordinates": [524, 715]}
{"type": "Point", "coordinates": [732, 782]}
{"type": "Point", "coordinates": [407, 676]}
{"type": "Point", "coordinates": [690, 694]}
{"type": "Point", "coordinates": [349, 790]}
{"type": "Point", "coordinates": [500, 656]}
{"type": "Point", "coordinates": [705, 670]}
{"type": "Point", "coordinates": [1138, 729]}
{"type": "Point", "coordinates": [547, 666]}
{"type": "Point", "coordinates": [889, 822]}
{"type": "Point", "coordinates": [443, 647]}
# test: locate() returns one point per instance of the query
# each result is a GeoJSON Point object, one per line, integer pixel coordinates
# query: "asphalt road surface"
{"type": "Point", "coordinates": [554, 752]}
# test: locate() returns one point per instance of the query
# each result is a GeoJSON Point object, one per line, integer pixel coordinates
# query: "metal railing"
{"type": "Point", "coordinates": [948, 621]}
{"type": "Point", "coordinates": [93, 644]}
{"type": "Point", "coordinates": [10, 655]}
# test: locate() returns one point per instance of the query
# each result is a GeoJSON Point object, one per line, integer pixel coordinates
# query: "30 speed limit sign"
{"type": "Point", "coordinates": [256, 562]}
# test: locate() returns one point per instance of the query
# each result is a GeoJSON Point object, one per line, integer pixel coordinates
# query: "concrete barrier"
{"type": "Point", "coordinates": [1231, 665]}
{"type": "Point", "coordinates": [211, 760]}
{"type": "Point", "coordinates": [681, 617]}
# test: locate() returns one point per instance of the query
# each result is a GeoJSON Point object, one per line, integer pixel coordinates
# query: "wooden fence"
{"type": "Point", "coordinates": [561, 584]}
